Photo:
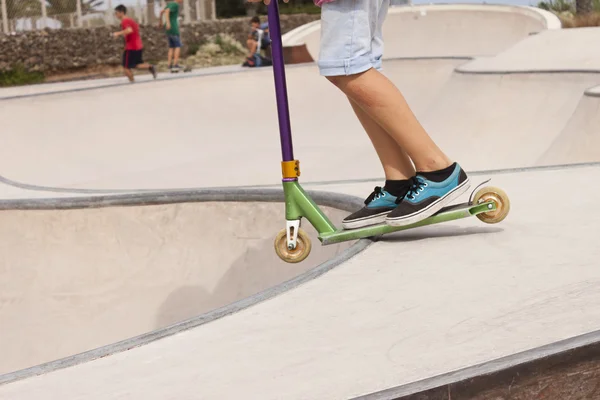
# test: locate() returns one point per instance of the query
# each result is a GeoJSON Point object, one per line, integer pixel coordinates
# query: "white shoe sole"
{"type": "Point", "coordinates": [432, 208]}
{"type": "Point", "coordinates": [362, 223]}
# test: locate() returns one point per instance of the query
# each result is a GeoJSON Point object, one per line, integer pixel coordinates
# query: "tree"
{"type": "Point", "coordinates": [584, 6]}
{"type": "Point", "coordinates": [56, 7]}
{"type": "Point", "coordinates": [22, 8]}
{"type": "Point", "coordinates": [151, 16]}
{"type": "Point", "coordinates": [231, 8]}
{"type": "Point", "coordinates": [557, 6]}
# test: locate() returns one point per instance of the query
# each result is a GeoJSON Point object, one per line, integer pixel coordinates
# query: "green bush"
{"type": "Point", "coordinates": [228, 45]}
{"type": "Point", "coordinates": [580, 21]}
{"type": "Point", "coordinates": [20, 76]}
{"type": "Point", "coordinates": [557, 6]}
{"type": "Point", "coordinates": [230, 8]}
{"type": "Point", "coordinates": [564, 6]}
{"type": "Point", "coordinates": [300, 9]}
{"type": "Point", "coordinates": [192, 48]}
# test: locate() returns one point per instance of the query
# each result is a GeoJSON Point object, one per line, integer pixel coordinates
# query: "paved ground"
{"type": "Point", "coordinates": [412, 306]}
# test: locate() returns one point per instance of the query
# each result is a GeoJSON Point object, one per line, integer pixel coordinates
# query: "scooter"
{"type": "Point", "coordinates": [490, 204]}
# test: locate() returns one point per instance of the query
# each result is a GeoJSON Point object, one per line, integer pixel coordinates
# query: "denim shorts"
{"type": "Point", "coordinates": [174, 41]}
{"type": "Point", "coordinates": [351, 36]}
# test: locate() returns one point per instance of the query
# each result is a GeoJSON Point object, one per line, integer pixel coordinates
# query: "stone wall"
{"type": "Point", "coordinates": [70, 49]}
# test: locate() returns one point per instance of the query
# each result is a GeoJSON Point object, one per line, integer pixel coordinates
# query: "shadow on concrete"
{"type": "Point", "coordinates": [437, 231]}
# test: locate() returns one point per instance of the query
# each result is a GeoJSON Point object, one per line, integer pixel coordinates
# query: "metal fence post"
{"type": "Point", "coordinates": [150, 13]}
{"type": "Point", "coordinates": [44, 14]}
{"type": "Point", "coordinates": [4, 16]}
{"type": "Point", "coordinates": [186, 12]}
{"type": "Point", "coordinates": [213, 9]}
{"type": "Point", "coordinates": [79, 16]}
{"type": "Point", "coordinates": [139, 12]}
{"type": "Point", "coordinates": [108, 20]}
{"type": "Point", "coordinates": [201, 9]}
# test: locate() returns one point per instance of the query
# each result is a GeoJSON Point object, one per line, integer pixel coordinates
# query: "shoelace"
{"type": "Point", "coordinates": [417, 186]}
{"type": "Point", "coordinates": [377, 193]}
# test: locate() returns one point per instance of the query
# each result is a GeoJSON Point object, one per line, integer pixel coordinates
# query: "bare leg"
{"type": "Point", "coordinates": [143, 66]}
{"type": "Point", "coordinates": [252, 45]}
{"type": "Point", "coordinates": [396, 163]}
{"type": "Point", "coordinates": [128, 74]}
{"type": "Point", "coordinates": [384, 103]}
{"type": "Point", "coordinates": [177, 52]}
{"type": "Point", "coordinates": [170, 57]}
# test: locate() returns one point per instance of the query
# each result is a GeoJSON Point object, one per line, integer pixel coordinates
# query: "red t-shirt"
{"type": "Point", "coordinates": [133, 41]}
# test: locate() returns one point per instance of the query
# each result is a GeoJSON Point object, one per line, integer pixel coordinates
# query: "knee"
{"type": "Point", "coordinates": [333, 79]}
{"type": "Point", "coordinates": [339, 81]}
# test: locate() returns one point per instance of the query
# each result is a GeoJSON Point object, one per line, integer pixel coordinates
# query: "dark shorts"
{"type": "Point", "coordinates": [174, 41]}
{"type": "Point", "coordinates": [132, 58]}
{"type": "Point", "coordinates": [265, 43]}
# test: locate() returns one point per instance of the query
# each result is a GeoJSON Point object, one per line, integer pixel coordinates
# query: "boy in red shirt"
{"type": "Point", "coordinates": [132, 56]}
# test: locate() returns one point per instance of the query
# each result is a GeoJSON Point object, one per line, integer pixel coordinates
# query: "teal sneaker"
{"type": "Point", "coordinates": [377, 206]}
{"type": "Point", "coordinates": [427, 196]}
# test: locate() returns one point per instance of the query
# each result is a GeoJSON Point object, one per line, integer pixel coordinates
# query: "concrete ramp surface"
{"type": "Point", "coordinates": [447, 30]}
{"type": "Point", "coordinates": [459, 311]}
{"type": "Point", "coordinates": [579, 141]}
{"type": "Point", "coordinates": [74, 280]}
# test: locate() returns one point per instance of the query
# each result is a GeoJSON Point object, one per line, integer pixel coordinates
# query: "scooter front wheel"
{"type": "Point", "coordinates": [299, 254]}
{"type": "Point", "coordinates": [499, 197]}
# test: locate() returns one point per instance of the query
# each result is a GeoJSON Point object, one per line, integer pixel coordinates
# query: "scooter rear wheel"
{"type": "Point", "coordinates": [299, 254]}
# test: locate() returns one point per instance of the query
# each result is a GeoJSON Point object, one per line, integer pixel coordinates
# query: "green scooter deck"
{"type": "Point", "coordinates": [446, 214]}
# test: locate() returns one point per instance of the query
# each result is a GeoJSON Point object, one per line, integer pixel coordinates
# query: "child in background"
{"type": "Point", "coordinates": [420, 178]}
{"type": "Point", "coordinates": [134, 48]}
{"type": "Point", "coordinates": [171, 12]}
{"type": "Point", "coordinates": [258, 39]}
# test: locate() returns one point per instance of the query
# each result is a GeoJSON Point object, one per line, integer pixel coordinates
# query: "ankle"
{"type": "Point", "coordinates": [439, 175]}
{"type": "Point", "coordinates": [433, 165]}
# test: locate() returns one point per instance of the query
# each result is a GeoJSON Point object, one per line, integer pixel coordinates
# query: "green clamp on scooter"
{"type": "Point", "coordinates": [491, 205]}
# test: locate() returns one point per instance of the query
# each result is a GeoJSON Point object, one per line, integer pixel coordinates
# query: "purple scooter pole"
{"type": "Point", "coordinates": [283, 111]}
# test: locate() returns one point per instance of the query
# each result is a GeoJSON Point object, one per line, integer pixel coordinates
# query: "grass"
{"type": "Point", "coordinates": [228, 45]}
{"type": "Point", "coordinates": [193, 49]}
{"type": "Point", "coordinates": [299, 9]}
{"type": "Point", "coordinates": [580, 21]}
{"type": "Point", "coordinates": [219, 49]}
{"type": "Point", "coordinates": [557, 6]}
{"type": "Point", "coordinates": [566, 12]}
{"type": "Point", "coordinates": [19, 76]}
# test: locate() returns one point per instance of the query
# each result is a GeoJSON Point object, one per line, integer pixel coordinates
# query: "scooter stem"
{"type": "Point", "coordinates": [283, 111]}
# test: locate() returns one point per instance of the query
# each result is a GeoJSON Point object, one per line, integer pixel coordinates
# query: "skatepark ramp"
{"type": "Point", "coordinates": [89, 272]}
{"type": "Point", "coordinates": [446, 30]}
{"type": "Point", "coordinates": [457, 311]}
{"type": "Point", "coordinates": [579, 141]}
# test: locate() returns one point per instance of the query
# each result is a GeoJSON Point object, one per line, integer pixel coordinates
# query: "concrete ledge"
{"type": "Point", "coordinates": [549, 51]}
{"type": "Point", "coordinates": [296, 36]}
{"type": "Point", "coordinates": [490, 374]}
{"type": "Point", "coordinates": [593, 92]}
{"type": "Point", "coordinates": [18, 92]}
{"type": "Point", "coordinates": [550, 21]}
{"type": "Point", "coordinates": [335, 200]}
